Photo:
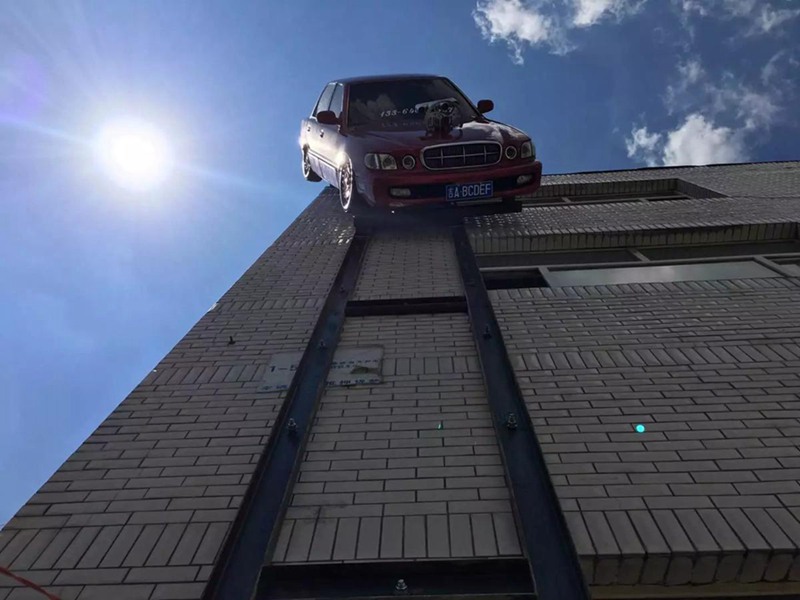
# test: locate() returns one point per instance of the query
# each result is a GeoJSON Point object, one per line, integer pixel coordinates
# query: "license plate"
{"type": "Point", "coordinates": [469, 191]}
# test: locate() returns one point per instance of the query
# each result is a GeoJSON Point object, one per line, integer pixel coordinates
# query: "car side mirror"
{"type": "Point", "coordinates": [327, 117]}
{"type": "Point", "coordinates": [485, 106]}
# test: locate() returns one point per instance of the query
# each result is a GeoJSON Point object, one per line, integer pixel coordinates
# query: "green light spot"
{"type": "Point", "coordinates": [640, 428]}
{"type": "Point", "coordinates": [440, 425]}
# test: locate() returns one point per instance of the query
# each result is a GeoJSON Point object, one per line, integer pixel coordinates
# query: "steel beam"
{"type": "Point", "coordinates": [407, 306]}
{"type": "Point", "coordinates": [496, 578]}
{"type": "Point", "coordinates": [254, 531]}
{"type": "Point", "coordinates": [544, 535]}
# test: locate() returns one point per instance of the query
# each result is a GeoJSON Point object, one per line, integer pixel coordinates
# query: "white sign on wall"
{"type": "Point", "coordinates": [351, 366]}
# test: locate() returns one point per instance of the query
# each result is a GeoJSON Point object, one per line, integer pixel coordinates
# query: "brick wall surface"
{"type": "Point", "coordinates": [764, 179]}
{"type": "Point", "coordinates": [141, 508]}
{"type": "Point", "coordinates": [409, 266]}
{"type": "Point", "coordinates": [541, 228]}
{"type": "Point", "coordinates": [709, 491]}
{"type": "Point", "coordinates": [408, 468]}
{"type": "Point", "coordinates": [762, 194]}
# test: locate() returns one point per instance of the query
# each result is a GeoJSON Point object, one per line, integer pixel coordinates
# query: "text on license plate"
{"type": "Point", "coordinates": [467, 191]}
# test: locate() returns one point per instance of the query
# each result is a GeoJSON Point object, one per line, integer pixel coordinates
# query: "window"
{"type": "Point", "coordinates": [698, 251]}
{"type": "Point", "coordinates": [582, 257]}
{"type": "Point", "coordinates": [325, 98]}
{"type": "Point", "coordinates": [648, 190]}
{"type": "Point", "coordinates": [336, 100]}
{"type": "Point", "coordinates": [660, 273]}
{"type": "Point", "coordinates": [401, 102]}
{"type": "Point", "coordinates": [694, 262]}
{"type": "Point", "coordinates": [790, 265]}
{"type": "Point", "coordinates": [508, 280]}
{"type": "Point", "coordinates": [606, 198]}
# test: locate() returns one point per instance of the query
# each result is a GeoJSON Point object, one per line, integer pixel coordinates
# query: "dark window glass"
{"type": "Point", "coordinates": [402, 102]}
{"type": "Point", "coordinates": [660, 273]}
{"type": "Point", "coordinates": [791, 265]}
{"type": "Point", "coordinates": [325, 98]}
{"type": "Point", "coordinates": [336, 100]}
{"type": "Point", "coordinates": [514, 280]}
{"type": "Point", "coordinates": [554, 258]}
{"type": "Point", "coordinates": [677, 252]}
{"type": "Point", "coordinates": [632, 195]}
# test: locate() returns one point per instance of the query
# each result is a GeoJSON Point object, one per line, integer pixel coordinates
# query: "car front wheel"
{"type": "Point", "coordinates": [308, 172]}
{"type": "Point", "coordinates": [349, 197]}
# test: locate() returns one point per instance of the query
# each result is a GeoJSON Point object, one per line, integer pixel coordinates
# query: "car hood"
{"type": "Point", "coordinates": [473, 131]}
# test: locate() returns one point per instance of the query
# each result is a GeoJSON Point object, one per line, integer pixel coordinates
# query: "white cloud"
{"type": "Point", "coordinates": [759, 111]}
{"type": "Point", "coordinates": [739, 8]}
{"type": "Point", "coordinates": [689, 74]}
{"type": "Point", "coordinates": [723, 116]}
{"type": "Point", "coordinates": [780, 70]}
{"type": "Point", "coordinates": [697, 141]}
{"type": "Point", "coordinates": [769, 18]}
{"type": "Point", "coordinates": [544, 23]}
{"type": "Point", "coordinates": [762, 15]}
{"type": "Point", "coordinates": [589, 12]}
{"type": "Point", "coordinates": [699, 6]}
{"type": "Point", "coordinates": [728, 98]}
{"type": "Point", "coordinates": [519, 25]}
{"type": "Point", "coordinates": [643, 145]}
{"type": "Point", "coordinates": [755, 110]}
{"type": "Point", "coordinates": [770, 70]}
{"type": "Point", "coordinates": [691, 71]}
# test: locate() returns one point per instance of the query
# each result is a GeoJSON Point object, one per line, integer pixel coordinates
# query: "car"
{"type": "Point", "coordinates": [397, 142]}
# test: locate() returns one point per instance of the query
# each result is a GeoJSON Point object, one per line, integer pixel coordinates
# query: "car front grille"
{"type": "Point", "coordinates": [461, 156]}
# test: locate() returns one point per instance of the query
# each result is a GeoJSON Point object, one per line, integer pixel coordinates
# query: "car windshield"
{"type": "Point", "coordinates": [401, 103]}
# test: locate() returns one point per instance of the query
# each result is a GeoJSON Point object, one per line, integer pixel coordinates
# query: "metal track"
{"type": "Point", "coordinates": [496, 578]}
{"type": "Point", "coordinates": [253, 533]}
{"type": "Point", "coordinates": [544, 534]}
{"type": "Point", "coordinates": [407, 306]}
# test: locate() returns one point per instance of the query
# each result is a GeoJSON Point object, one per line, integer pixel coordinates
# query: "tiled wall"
{"type": "Point", "coordinates": [409, 468]}
{"type": "Point", "coordinates": [140, 510]}
{"type": "Point", "coordinates": [708, 492]}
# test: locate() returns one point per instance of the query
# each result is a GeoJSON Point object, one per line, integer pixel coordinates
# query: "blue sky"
{"type": "Point", "coordinates": [100, 281]}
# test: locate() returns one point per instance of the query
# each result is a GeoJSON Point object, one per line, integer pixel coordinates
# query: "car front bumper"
{"type": "Point", "coordinates": [428, 187]}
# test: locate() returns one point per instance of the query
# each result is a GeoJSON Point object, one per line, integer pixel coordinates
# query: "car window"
{"type": "Point", "coordinates": [325, 98]}
{"type": "Point", "coordinates": [400, 102]}
{"type": "Point", "coordinates": [336, 100]}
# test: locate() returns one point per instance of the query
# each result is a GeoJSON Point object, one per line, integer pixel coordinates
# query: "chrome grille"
{"type": "Point", "coordinates": [461, 156]}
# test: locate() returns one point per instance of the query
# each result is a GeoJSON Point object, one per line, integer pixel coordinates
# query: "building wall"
{"type": "Point", "coordinates": [141, 508]}
{"type": "Point", "coordinates": [409, 468]}
{"type": "Point", "coordinates": [708, 492]}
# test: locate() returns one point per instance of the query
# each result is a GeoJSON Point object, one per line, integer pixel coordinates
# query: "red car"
{"type": "Point", "coordinates": [401, 141]}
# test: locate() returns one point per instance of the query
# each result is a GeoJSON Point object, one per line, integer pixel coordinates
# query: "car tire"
{"type": "Point", "coordinates": [352, 202]}
{"type": "Point", "coordinates": [308, 172]}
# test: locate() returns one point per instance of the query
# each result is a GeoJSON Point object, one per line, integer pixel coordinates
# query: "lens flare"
{"type": "Point", "coordinates": [134, 154]}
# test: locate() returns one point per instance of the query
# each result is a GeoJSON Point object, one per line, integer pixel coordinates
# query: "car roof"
{"type": "Point", "coordinates": [369, 78]}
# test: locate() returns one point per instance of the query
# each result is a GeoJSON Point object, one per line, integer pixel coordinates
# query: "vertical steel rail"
{"type": "Point", "coordinates": [545, 537]}
{"type": "Point", "coordinates": [254, 529]}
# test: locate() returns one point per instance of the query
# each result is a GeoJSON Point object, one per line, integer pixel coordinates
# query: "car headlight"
{"type": "Point", "coordinates": [385, 162]}
{"type": "Point", "coordinates": [527, 150]}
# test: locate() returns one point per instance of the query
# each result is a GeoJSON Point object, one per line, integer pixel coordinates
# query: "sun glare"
{"type": "Point", "coordinates": [135, 154]}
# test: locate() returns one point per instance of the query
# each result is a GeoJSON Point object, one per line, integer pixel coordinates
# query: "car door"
{"type": "Point", "coordinates": [330, 138]}
{"type": "Point", "coordinates": [314, 140]}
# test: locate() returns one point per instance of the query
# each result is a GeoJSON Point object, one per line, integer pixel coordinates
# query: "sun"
{"type": "Point", "coordinates": [134, 154]}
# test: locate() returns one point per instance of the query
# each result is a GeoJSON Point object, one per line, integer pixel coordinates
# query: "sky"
{"type": "Point", "coordinates": [101, 280]}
